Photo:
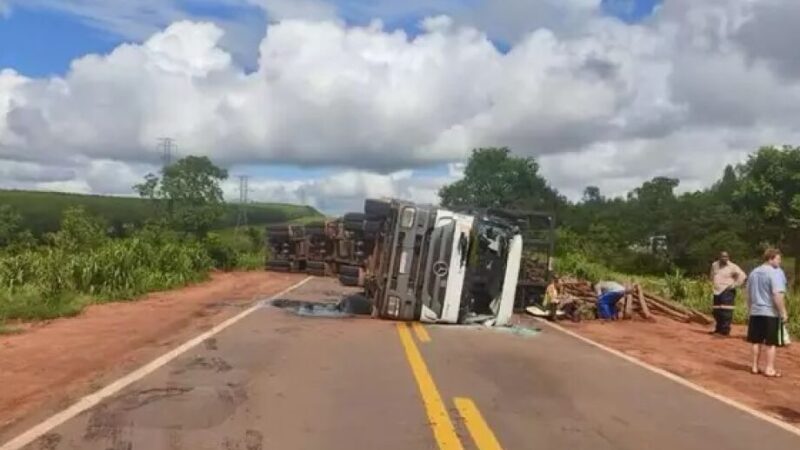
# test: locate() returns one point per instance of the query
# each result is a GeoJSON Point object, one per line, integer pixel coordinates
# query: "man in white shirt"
{"type": "Point", "coordinates": [726, 277]}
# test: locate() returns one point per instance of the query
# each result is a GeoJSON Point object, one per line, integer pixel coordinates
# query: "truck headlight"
{"type": "Point", "coordinates": [393, 306]}
{"type": "Point", "coordinates": [407, 217]}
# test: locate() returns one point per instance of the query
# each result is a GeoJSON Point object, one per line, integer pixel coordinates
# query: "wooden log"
{"type": "Point", "coordinates": [643, 303]}
{"type": "Point", "coordinates": [664, 304]}
{"type": "Point", "coordinates": [661, 310]}
{"type": "Point", "coordinates": [628, 311]}
{"type": "Point", "coordinates": [693, 314]}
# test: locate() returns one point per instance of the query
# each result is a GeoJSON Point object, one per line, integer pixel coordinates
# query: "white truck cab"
{"type": "Point", "coordinates": [440, 266]}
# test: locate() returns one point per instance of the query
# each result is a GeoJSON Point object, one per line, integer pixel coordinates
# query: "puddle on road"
{"type": "Point", "coordinates": [349, 306]}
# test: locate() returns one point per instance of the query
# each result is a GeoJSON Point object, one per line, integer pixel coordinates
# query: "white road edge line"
{"type": "Point", "coordinates": [730, 402]}
{"type": "Point", "coordinates": [95, 398]}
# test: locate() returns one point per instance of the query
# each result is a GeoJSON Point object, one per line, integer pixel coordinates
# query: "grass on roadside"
{"type": "Point", "coordinates": [29, 303]}
{"type": "Point", "coordinates": [6, 330]}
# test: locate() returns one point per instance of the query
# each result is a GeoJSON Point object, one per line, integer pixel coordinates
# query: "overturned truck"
{"type": "Point", "coordinates": [441, 266]}
{"type": "Point", "coordinates": [287, 248]}
{"type": "Point", "coordinates": [334, 247]}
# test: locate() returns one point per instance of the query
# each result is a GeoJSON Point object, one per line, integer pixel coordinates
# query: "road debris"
{"type": "Point", "coordinates": [347, 306]}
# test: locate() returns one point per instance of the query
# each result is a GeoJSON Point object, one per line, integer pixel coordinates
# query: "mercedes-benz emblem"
{"type": "Point", "coordinates": [440, 268]}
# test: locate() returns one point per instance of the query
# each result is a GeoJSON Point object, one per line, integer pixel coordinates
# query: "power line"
{"type": "Point", "coordinates": [167, 147]}
{"type": "Point", "coordinates": [244, 189]}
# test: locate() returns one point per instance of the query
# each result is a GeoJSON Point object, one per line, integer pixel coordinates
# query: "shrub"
{"type": "Point", "coordinates": [222, 253]}
{"type": "Point", "coordinates": [579, 266]}
{"type": "Point", "coordinates": [46, 282]}
{"type": "Point", "coordinates": [676, 285]}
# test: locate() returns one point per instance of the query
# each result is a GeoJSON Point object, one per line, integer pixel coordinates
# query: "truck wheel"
{"type": "Point", "coordinates": [279, 266]}
{"type": "Point", "coordinates": [377, 208]}
{"type": "Point", "coordinates": [350, 271]}
{"type": "Point", "coordinates": [356, 304]}
{"type": "Point", "coordinates": [372, 226]}
{"type": "Point", "coordinates": [348, 280]}
{"type": "Point", "coordinates": [354, 217]}
{"type": "Point", "coordinates": [315, 229]}
{"type": "Point", "coordinates": [316, 268]}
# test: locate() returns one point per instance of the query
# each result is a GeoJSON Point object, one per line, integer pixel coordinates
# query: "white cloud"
{"type": "Point", "coordinates": [598, 101]}
{"type": "Point", "coordinates": [343, 191]}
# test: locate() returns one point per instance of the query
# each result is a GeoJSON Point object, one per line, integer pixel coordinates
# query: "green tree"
{"type": "Point", "coordinates": [768, 195]}
{"type": "Point", "coordinates": [495, 178]}
{"type": "Point", "coordinates": [148, 188]}
{"type": "Point", "coordinates": [189, 192]}
{"type": "Point", "coordinates": [79, 231]}
{"type": "Point", "coordinates": [592, 195]}
{"type": "Point", "coordinates": [725, 187]}
{"type": "Point", "coordinates": [701, 226]}
{"type": "Point", "coordinates": [12, 234]}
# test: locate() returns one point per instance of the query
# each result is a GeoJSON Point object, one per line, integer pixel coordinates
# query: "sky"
{"type": "Point", "coordinates": [327, 102]}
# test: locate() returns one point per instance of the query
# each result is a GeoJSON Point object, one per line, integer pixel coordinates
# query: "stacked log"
{"type": "Point", "coordinates": [643, 303]}
{"type": "Point", "coordinates": [533, 271]}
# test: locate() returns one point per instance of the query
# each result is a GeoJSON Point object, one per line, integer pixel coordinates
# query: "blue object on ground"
{"type": "Point", "coordinates": [607, 304]}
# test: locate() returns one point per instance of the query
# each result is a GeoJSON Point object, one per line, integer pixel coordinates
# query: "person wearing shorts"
{"type": "Point", "coordinates": [766, 288]}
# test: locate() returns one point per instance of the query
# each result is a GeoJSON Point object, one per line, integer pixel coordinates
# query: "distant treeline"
{"type": "Point", "coordinates": [653, 229]}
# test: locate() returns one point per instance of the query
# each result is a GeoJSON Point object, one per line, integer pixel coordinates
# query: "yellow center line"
{"type": "Point", "coordinates": [477, 426]}
{"type": "Point", "coordinates": [421, 332]}
{"type": "Point", "coordinates": [443, 431]}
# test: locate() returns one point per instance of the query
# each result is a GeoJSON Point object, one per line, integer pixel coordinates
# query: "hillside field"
{"type": "Point", "coordinates": [42, 211]}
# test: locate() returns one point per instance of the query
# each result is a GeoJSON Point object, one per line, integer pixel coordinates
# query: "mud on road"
{"type": "Point", "coordinates": [53, 363]}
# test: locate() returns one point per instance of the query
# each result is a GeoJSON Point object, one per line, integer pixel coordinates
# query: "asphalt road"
{"type": "Point", "coordinates": [275, 380]}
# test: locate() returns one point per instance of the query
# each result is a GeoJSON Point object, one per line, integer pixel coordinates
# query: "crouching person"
{"type": "Point", "coordinates": [558, 302]}
{"type": "Point", "coordinates": [608, 294]}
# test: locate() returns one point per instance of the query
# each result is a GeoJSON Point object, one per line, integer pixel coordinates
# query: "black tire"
{"type": "Point", "coordinates": [357, 304]}
{"type": "Point", "coordinates": [316, 272]}
{"type": "Point", "coordinates": [377, 208]}
{"type": "Point", "coordinates": [315, 265]}
{"type": "Point", "coordinates": [372, 226]}
{"type": "Point", "coordinates": [348, 281]}
{"type": "Point", "coordinates": [315, 232]}
{"type": "Point", "coordinates": [279, 266]}
{"type": "Point", "coordinates": [354, 217]}
{"type": "Point", "coordinates": [356, 226]}
{"type": "Point", "coordinates": [350, 271]}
